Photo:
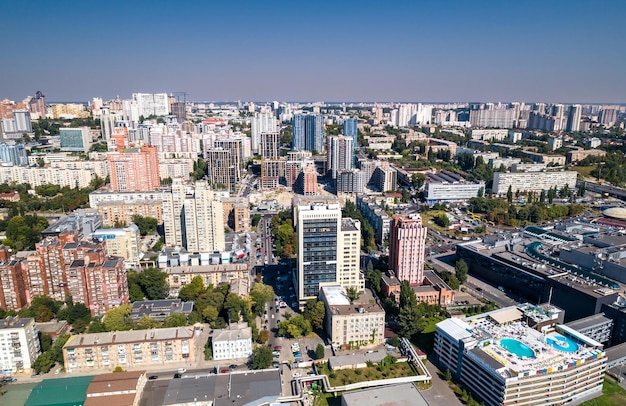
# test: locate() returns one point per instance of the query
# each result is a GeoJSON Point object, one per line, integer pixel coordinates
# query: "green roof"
{"type": "Point", "coordinates": [60, 392]}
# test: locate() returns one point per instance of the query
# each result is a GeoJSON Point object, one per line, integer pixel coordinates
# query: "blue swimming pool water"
{"type": "Point", "coordinates": [517, 347]}
{"type": "Point", "coordinates": [565, 344]}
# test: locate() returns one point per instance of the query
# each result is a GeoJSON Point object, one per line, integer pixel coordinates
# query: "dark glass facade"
{"type": "Point", "coordinates": [319, 253]}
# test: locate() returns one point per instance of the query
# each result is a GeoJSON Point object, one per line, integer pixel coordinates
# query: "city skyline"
{"type": "Point", "coordinates": [351, 51]}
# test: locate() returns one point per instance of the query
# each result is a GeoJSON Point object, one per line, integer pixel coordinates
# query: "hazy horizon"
{"type": "Point", "coordinates": [350, 51]}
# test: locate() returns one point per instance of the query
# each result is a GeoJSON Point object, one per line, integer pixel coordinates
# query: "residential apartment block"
{"type": "Point", "coordinates": [533, 181]}
{"type": "Point", "coordinates": [121, 242]}
{"type": "Point", "coordinates": [130, 349]}
{"type": "Point", "coordinates": [192, 218]}
{"type": "Point", "coordinates": [134, 170]}
{"type": "Point", "coordinates": [64, 265]}
{"type": "Point", "coordinates": [217, 274]}
{"type": "Point", "coordinates": [19, 344]}
{"type": "Point", "coordinates": [13, 294]}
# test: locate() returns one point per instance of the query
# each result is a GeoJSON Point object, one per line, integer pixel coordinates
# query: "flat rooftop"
{"type": "Point", "coordinates": [503, 340]}
{"type": "Point", "coordinates": [121, 337]}
{"type": "Point", "coordinates": [394, 395]}
{"type": "Point", "coordinates": [60, 392]}
{"type": "Point", "coordinates": [234, 389]}
{"type": "Point", "coordinates": [588, 322]}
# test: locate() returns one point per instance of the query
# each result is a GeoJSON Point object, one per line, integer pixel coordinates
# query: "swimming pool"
{"type": "Point", "coordinates": [517, 347]}
{"type": "Point", "coordinates": [562, 343]}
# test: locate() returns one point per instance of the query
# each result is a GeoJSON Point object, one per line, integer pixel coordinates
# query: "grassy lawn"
{"type": "Point", "coordinates": [585, 171]}
{"type": "Point", "coordinates": [327, 399]}
{"type": "Point", "coordinates": [426, 339]}
{"type": "Point", "coordinates": [348, 376]}
{"type": "Point", "coordinates": [612, 395]}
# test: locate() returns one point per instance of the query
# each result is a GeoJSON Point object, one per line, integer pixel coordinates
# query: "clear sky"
{"type": "Point", "coordinates": [504, 50]}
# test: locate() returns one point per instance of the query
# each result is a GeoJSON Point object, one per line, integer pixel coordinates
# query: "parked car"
{"type": "Point", "coordinates": [182, 370]}
{"type": "Point", "coordinates": [153, 377]}
{"type": "Point", "coordinates": [177, 375]}
{"type": "Point", "coordinates": [296, 375]}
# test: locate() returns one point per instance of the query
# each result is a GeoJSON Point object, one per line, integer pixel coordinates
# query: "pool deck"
{"type": "Point", "coordinates": [546, 358]}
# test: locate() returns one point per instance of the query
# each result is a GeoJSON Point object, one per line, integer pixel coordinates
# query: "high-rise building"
{"type": "Point", "coordinates": [270, 142]}
{"type": "Point", "coordinates": [13, 292]}
{"type": "Point", "coordinates": [62, 265]}
{"type": "Point", "coordinates": [608, 116]}
{"type": "Point", "coordinates": [179, 109]}
{"type": "Point", "coordinates": [573, 120]}
{"type": "Point", "coordinates": [308, 180]}
{"type": "Point", "coordinates": [236, 159]}
{"type": "Point", "coordinates": [134, 170]}
{"type": "Point", "coordinates": [220, 171]}
{"type": "Point", "coordinates": [75, 139]}
{"type": "Point", "coordinates": [19, 347]}
{"type": "Point", "coordinates": [22, 121]}
{"type": "Point", "coordinates": [328, 247]}
{"type": "Point", "coordinates": [149, 104]}
{"type": "Point", "coordinates": [13, 154]}
{"type": "Point", "coordinates": [192, 218]}
{"type": "Point", "coordinates": [340, 156]}
{"type": "Point", "coordinates": [308, 132]}
{"type": "Point", "coordinates": [37, 105]}
{"type": "Point", "coordinates": [263, 122]}
{"type": "Point", "coordinates": [350, 129]}
{"type": "Point", "coordinates": [407, 242]}
{"type": "Point", "coordinates": [318, 224]}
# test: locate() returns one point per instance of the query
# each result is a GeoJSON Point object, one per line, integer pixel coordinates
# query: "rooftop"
{"type": "Point", "coordinates": [236, 331]}
{"type": "Point", "coordinates": [233, 389]}
{"type": "Point", "coordinates": [60, 392]}
{"type": "Point", "coordinates": [121, 337]}
{"type": "Point", "coordinates": [348, 224]}
{"type": "Point", "coordinates": [503, 340]}
{"type": "Point", "coordinates": [405, 394]}
{"type": "Point", "coordinates": [587, 322]}
{"type": "Point", "coordinates": [15, 322]}
{"type": "Point", "coordinates": [158, 308]}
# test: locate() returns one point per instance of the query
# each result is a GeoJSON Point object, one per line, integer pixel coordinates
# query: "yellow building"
{"type": "Point", "coordinates": [130, 349]}
{"type": "Point", "coordinates": [121, 212]}
{"type": "Point", "coordinates": [215, 275]}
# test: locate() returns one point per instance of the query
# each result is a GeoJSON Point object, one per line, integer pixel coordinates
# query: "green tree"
{"type": "Point", "coordinates": [146, 323]}
{"type": "Point", "coordinates": [209, 314]}
{"type": "Point", "coordinates": [410, 321]}
{"type": "Point", "coordinates": [192, 290]}
{"type": "Point", "coordinates": [96, 326]}
{"type": "Point", "coordinates": [447, 375]}
{"type": "Point", "coordinates": [353, 294]}
{"type": "Point", "coordinates": [175, 320]}
{"type": "Point", "coordinates": [461, 269]}
{"type": "Point", "coordinates": [374, 278]}
{"type": "Point", "coordinates": [417, 180]}
{"type": "Point", "coordinates": [394, 341]}
{"type": "Point", "coordinates": [407, 295]}
{"type": "Point", "coordinates": [154, 284]}
{"type": "Point", "coordinates": [314, 312]}
{"type": "Point", "coordinates": [319, 351]}
{"type": "Point", "coordinates": [264, 336]}
{"type": "Point", "coordinates": [581, 189]}
{"type": "Point", "coordinates": [208, 350]}
{"type": "Point", "coordinates": [260, 294]}
{"type": "Point", "coordinates": [235, 306]}
{"type": "Point", "coordinates": [442, 220]}
{"type": "Point", "coordinates": [118, 318]}
{"type": "Point", "coordinates": [135, 293]}
{"type": "Point", "coordinates": [46, 341]}
{"type": "Point", "coordinates": [146, 225]}
{"type": "Point", "coordinates": [261, 357]}
{"type": "Point", "coordinates": [255, 219]}
{"type": "Point", "coordinates": [509, 194]}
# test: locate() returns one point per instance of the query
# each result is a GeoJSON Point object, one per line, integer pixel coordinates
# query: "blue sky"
{"type": "Point", "coordinates": [568, 51]}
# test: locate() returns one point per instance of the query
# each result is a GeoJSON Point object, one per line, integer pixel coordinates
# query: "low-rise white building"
{"type": "Point", "coordinates": [47, 176]}
{"type": "Point", "coordinates": [19, 344]}
{"type": "Point", "coordinates": [233, 342]}
{"type": "Point", "coordinates": [446, 187]}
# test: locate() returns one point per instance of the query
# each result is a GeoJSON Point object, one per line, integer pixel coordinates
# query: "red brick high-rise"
{"type": "Point", "coordinates": [134, 170]}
